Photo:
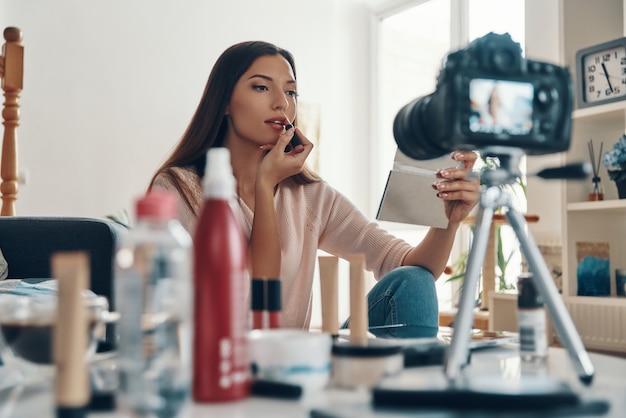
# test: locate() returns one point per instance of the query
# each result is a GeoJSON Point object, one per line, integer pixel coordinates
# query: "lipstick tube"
{"type": "Point", "coordinates": [257, 298]}
{"type": "Point", "coordinates": [274, 302]}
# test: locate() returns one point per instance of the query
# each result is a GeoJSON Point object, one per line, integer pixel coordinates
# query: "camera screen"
{"type": "Point", "coordinates": [500, 106]}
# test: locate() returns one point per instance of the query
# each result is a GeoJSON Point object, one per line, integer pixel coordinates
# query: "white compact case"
{"type": "Point", "coordinates": [365, 366]}
{"type": "Point", "coordinates": [291, 356]}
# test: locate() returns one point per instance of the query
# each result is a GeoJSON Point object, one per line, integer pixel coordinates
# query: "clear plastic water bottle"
{"type": "Point", "coordinates": [153, 295]}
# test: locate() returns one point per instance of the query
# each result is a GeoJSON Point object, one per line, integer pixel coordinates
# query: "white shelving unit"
{"type": "Point", "coordinates": [601, 321]}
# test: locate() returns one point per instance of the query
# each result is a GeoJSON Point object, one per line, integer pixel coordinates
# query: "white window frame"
{"type": "Point", "coordinates": [459, 37]}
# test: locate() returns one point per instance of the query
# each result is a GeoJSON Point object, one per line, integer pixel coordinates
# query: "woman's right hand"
{"type": "Point", "coordinates": [277, 164]}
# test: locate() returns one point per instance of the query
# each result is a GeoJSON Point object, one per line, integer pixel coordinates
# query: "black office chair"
{"type": "Point", "coordinates": [28, 242]}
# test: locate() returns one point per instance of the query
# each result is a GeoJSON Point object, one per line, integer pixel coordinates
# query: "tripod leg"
{"type": "Point", "coordinates": [558, 311]}
{"type": "Point", "coordinates": [457, 353]}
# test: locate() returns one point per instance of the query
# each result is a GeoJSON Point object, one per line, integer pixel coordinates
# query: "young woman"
{"type": "Point", "coordinates": [248, 106]}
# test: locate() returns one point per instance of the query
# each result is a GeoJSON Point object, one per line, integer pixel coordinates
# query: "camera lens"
{"type": "Point", "coordinates": [410, 131]}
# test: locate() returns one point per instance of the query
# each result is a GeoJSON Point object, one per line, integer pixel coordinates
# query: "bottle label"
{"type": "Point", "coordinates": [232, 357]}
{"type": "Point", "coordinates": [532, 332]}
{"type": "Point", "coordinates": [233, 350]}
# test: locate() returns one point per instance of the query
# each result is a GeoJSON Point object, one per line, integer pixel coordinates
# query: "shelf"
{"type": "Point", "coordinates": [598, 320]}
{"type": "Point", "coordinates": [613, 205]}
{"type": "Point", "coordinates": [604, 111]}
{"type": "Point", "coordinates": [595, 301]}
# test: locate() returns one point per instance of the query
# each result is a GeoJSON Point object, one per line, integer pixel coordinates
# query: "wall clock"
{"type": "Point", "coordinates": [601, 73]}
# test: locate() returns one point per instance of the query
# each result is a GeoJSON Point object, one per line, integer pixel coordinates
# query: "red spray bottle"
{"type": "Point", "coordinates": [220, 350]}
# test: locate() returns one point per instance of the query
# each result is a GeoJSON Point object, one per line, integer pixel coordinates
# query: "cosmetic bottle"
{"type": "Point", "coordinates": [531, 320]}
{"type": "Point", "coordinates": [221, 359]}
{"type": "Point", "coordinates": [597, 190]}
{"type": "Point", "coordinates": [153, 295]}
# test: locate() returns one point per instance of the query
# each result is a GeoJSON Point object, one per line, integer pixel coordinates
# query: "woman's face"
{"type": "Point", "coordinates": [263, 101]}
{"type": "Point", "coordinates": [494, 100]}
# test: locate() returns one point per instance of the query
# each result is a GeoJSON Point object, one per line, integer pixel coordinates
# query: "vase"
{"type": "Point", "coordinates": [621, 188]}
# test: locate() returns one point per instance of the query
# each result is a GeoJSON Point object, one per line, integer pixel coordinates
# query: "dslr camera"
{"type": "Point", "coordinates": [488, 95]}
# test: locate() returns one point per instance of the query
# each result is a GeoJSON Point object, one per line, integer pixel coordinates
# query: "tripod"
{"type": "Point", "coordinates": [493, 197]}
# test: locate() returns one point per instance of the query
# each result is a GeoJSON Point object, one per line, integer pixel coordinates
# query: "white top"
{"type": "Point", "coordinates": [311, 217]}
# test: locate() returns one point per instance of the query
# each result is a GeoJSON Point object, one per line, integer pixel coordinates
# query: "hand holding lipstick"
{"type": "Point", "coordinates": [296, 143]}
{"type": "Point", "coordinates": [283, 159]}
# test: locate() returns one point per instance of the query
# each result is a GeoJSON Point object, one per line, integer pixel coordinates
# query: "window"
{"type": "Point", "coordinates": [412, 43]}
{"type": "Point", "coordinates": [412, 39]}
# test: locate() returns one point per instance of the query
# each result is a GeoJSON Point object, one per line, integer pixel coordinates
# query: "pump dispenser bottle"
{"type": "Point", "coordinates": [221, 362]}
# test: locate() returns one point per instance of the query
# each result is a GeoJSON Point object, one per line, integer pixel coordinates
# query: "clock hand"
{"type": "Point", "coordinates": [606, 74]}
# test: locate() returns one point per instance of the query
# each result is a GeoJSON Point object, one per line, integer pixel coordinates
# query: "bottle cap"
{"type": "Point", "coordinates": [158, 204]}
{"type": "Point", "coordinates": [218, 181]}
{"type": "Point", "coordinates": [528, 296]}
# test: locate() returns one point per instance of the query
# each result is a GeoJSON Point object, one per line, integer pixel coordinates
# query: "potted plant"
{"type": "Point", "coordinates": [503, 257]}
{"type": "Point", "coordinates": [615, 162]}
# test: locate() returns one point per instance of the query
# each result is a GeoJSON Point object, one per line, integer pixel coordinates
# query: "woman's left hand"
{"type": "Point", "coordinates": [457, 189]}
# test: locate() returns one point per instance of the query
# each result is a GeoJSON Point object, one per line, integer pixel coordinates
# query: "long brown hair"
{"type": "Point", "coordinates": [208, 126]}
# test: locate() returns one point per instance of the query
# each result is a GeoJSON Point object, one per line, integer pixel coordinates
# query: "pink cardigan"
{"type": "Point", "coordinates": [311, 217]}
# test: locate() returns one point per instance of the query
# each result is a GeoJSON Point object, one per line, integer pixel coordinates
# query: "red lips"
{"type": "Point", "coordinates": [277, 123]}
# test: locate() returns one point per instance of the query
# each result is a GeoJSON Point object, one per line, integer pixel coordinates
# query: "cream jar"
{"type": "Point", "coordinates": [364, 366]}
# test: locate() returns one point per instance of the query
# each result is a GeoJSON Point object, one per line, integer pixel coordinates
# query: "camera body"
{"type": "Point", "coordinates": [488, 95]}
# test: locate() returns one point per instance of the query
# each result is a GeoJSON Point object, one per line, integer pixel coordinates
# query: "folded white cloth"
{"type": "Point", "coordinates": [34, 287]}
{"type": "Point", "coordinates": [29, 287]}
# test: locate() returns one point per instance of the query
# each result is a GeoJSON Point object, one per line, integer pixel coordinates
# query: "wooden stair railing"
{"type": "Point", "coordinates": [12, 74]}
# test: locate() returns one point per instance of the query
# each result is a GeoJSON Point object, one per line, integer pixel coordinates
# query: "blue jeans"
{"type": "Point", "coordinates": [405, 296]}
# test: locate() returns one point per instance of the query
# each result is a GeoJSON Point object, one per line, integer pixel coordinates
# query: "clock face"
{"type": "Point", "coordinates": [604, 75]}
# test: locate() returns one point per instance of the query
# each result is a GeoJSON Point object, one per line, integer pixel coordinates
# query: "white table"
{"type": "Point", "coordinates": [609, 383]}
